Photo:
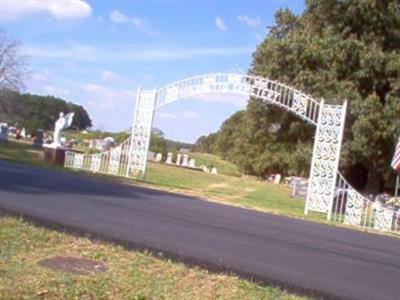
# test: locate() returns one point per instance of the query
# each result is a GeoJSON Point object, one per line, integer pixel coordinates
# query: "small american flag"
{"type": "Point", "coordinates": [396, 158]}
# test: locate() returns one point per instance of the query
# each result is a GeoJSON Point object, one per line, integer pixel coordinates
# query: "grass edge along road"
{"type": "Point", "coordinates": [129, 274]}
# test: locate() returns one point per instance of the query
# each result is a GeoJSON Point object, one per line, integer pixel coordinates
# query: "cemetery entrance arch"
{"type": "Point", "coordinates": [130, 158]}
{"type": "Point", "coordinates": [328, 191]}
{"type": "Point", "coordinates": [328, 119]}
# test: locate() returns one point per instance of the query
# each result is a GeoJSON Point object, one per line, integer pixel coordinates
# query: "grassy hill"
{"type": "Point", "coordinates": [224, 167]}
{"type": "Point", "coordinates": [231, 190]}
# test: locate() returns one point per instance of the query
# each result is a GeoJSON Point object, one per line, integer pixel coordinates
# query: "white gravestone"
{"type": "Point", "coordinates": [185, 160]}
{"type": "Point", "coordinates": [23, 133]}
{"type": "Point", "coordinates": [192, 163]}
{"type": "Point", "coordinates": [277, 179]}
{"type": "Point", "coordinates": [151, 156]}
{"type": "Point", "coordinates": [169, 158]}
{"type": "Point", "coordinates": [92, 144]}
{"type": "Point", "coordinates": [158, 157]}
{"type": "Point", "coordinates": [178, 159]}
{"type": "Point", "coordinates": [300, 189]}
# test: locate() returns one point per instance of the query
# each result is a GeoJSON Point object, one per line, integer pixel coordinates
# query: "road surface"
{"type": "Point", "coordinates": [295, 254]}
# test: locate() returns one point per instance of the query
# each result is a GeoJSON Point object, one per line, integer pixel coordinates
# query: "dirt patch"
{"type": "Point", "coordinates": [75, 265]}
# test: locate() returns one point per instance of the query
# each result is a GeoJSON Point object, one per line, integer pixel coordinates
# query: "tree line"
{"type": "Point", "coordinates": [34, 111]}
{"type": "Point", "coordinates": [159, 144]}
{"type": "Point", "coordinates": [334, 50]}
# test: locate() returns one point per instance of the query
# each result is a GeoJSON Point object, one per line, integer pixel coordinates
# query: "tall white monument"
{"type": "Point", "coordinates": [55, 152]}
{"type": "Point", "coordinates": [62, 123]}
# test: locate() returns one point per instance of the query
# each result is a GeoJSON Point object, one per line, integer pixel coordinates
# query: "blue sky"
{"type": "Point", "coordinates": [97, 53]}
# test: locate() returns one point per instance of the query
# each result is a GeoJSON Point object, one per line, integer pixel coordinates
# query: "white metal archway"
{"type": "Point", "coordinates": [329, 120]}
{"type": "Point", "coordinates": [326, 185]}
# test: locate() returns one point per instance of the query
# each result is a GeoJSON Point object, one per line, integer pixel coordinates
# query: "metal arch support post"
{"type": "Point", "coordinates": [149, 129]}
{"type": "Point", "coordinates": [141, 132]}
{"type": "Point", "coordinates": [338, 151]}
{"type": "Point", "coordinates": [130, 154]}
{"type": "Point", "coordinates": [313, 159]}
{"type": "Point", "coordinates": [325, 160]}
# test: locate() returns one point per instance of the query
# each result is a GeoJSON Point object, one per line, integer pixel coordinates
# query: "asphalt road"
{"type": "Point", "coordinates": [304, 256]}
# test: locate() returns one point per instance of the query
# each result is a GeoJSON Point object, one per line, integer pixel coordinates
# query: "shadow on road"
{"type": "Point", "coordinates": [32, 180]}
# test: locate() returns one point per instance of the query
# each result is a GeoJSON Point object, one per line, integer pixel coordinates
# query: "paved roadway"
{"type": "Point", "coordinates": [298, 255]}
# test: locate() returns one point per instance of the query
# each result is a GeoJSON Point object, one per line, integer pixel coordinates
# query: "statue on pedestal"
{"type": "Point", "coordinates": [62, 123]}
{"type": "Point", "coordinates": [55, 152]}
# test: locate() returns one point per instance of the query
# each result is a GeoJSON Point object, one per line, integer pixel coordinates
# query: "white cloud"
{"type": "Point", "coordinates": [118, 17]}
{"type": "Point", "coordinates": [144, 26]}
{"type": "Point", "coordinates": [143, 54]}
{"type": "Point", "coordinates": [66, 9]}
{"type": "Point", "coordinates": [220, 23]}
{"type": "Point", "coordinates": [56, 91]}
{"type": "Point", "coordinates": [252, 22]}
{"type": "Point", "coordinates": [108, 75]}
{"type": "Point", "coordinates": [137, 22]}
{"type": "Point", "coordinates": [42, 75]}
{"type": "Point", "coordinates": [103, 97]}
{"type": "Point", "coordinates": [75, 52]}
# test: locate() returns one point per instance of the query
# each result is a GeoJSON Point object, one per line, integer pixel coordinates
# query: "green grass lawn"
{"type": "Point", "coordinates": [130, 274]}
{"type": "Point", "coordinates": [224, 167]}
{"type": "Point", "coordinates": [22, 153]}
{"type": "Point", "coordinates": [227, 189]}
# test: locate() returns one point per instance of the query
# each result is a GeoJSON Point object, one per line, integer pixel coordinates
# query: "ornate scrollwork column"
{"type": "Point", "coordinates": [325, 160]}
{"type": "Point", "coordinates": [141, 132]}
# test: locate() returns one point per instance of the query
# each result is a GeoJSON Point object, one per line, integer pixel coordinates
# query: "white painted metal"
{"type": "Point", "coordinates": [133, 126]}
{"type": "Point", "coordinates": [352, 208]}
{"type": "Point", "coordinates": [141, 132]}
{"type": "Point", "coordinates": [313, 159]}
{"type": "Point", "coordinates": [271, 91]}
{"type": "Point", "coordinates": [325, 161]}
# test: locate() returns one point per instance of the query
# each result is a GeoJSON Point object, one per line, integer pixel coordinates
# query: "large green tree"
{"type": "Point", "coordinates": [338, 50]}
{"type": "Point", "coordinates": [34, 111]}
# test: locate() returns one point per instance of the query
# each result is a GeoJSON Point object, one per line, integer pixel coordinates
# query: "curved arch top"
{"type": "Point", "coordinates": [270, 91]}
